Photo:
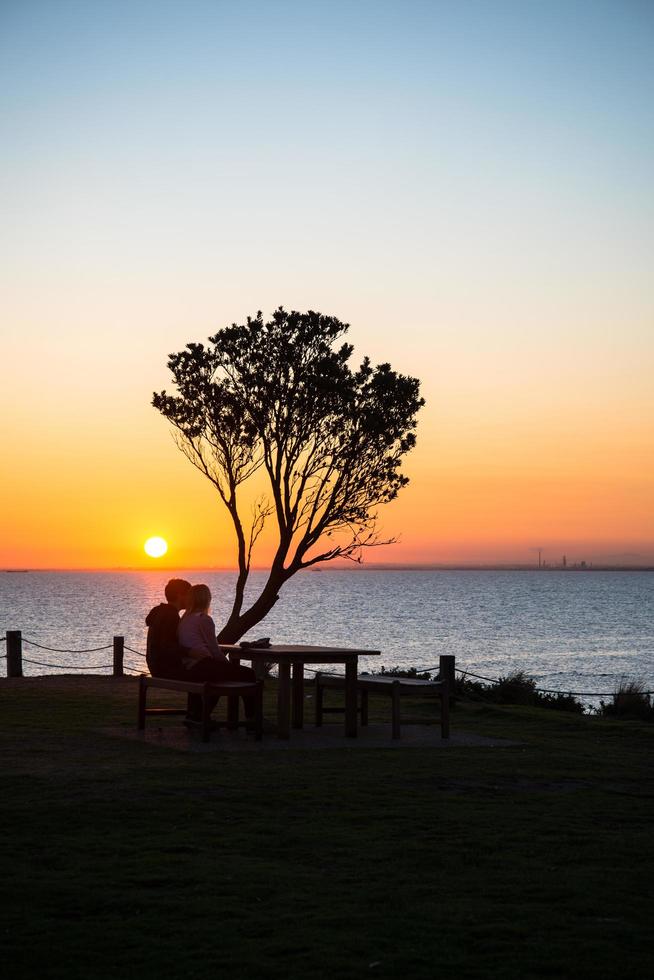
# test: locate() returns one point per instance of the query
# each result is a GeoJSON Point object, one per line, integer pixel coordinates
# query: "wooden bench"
{"type": "Point", "coordinates": [393, 687]}
{"type": "Point", "coordinates": [230, 689]}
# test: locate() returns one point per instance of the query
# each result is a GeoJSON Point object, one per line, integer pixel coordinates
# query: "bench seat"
{"type": "Point", "coordinates": [230, 689]}
{"type": "Point", "coordinates": [393, 687]}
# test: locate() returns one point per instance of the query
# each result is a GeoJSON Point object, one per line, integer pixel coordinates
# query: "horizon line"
{"type": "Point", "coordinates": [354, 566]}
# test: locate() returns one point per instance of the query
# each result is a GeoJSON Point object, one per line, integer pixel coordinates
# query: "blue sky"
{"type": "Point", "coordinates": [302, 118]}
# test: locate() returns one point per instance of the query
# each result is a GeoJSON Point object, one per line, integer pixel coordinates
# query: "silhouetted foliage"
{"type": "Point", "coordinates": [630, 701]}
{"type": "Point", "coordinates": [280, 396]}
{"type": "Point", "coordinates": [516, 688]}
{"type": "Point", "coordinates": [560, 702]}
{"type": "Point", "coordinates": [412, 673]}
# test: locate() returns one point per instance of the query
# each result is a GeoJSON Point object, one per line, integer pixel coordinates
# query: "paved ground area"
{"type": "Point", "coordinates": [173, 735]}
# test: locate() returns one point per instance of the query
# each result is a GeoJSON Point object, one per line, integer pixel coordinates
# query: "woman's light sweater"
{"type": "Point", "coordinates": [197, 631]}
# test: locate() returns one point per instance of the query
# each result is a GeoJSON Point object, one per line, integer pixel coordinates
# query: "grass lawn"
{"type": "Point", "coordinates": [122, 859]}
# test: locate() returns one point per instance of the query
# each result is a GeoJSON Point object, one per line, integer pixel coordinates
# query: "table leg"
{"type": "Point", "coordinates": [284, 701]}
{"type": "Point", "coordinates": [298, 695]}
{"type": "Point", "coordinates": [232, 703]}
{"type": "Point", "coordinates": [351, 697]}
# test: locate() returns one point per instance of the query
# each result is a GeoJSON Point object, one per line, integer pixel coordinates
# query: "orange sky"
{"type": "Point", "coordinates": [501, 467]}
{"type": "Point", "coordinates": [479, 209]}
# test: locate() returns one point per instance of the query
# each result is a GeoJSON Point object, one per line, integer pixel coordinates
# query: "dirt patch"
{"type": "Point", "coordinates": [177, 737]}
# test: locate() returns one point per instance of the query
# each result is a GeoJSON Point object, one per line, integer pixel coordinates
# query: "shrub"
{"type": "Point", "coordinates": [410, 672]}
{"type": "Point", "coordinates": [629, 701]}
{"type": "Point", "coordinates": [560, 702]}
{"type": "Point", "coordinates": [470, 690]}
{"type": "Point", "coordinates": [516, 688]}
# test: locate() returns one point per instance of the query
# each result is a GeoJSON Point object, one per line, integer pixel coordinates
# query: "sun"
{"type": "Point", "coordinates": [155, 547]}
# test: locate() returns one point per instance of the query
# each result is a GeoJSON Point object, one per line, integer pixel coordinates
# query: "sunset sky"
{"type": "Point", "coordinates": [468, 184]}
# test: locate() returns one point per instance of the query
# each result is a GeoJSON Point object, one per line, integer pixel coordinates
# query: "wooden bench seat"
{"type": "Point", "coordinates": [230, 689]}
{"type": "Point", "coordinates": [393, 687]}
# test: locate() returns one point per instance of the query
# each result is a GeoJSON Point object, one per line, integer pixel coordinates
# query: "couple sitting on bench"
{"type": "Point", "coordinates": [186, 649]}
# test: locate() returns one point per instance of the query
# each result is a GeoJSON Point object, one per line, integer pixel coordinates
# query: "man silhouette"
{"type": "Point", "coordinates": [164, 655]}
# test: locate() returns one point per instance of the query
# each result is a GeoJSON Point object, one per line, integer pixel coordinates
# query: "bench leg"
{"type": "Point", "coordinates": [143, 693]}
{"type": "Point", "coordinates": [364, 707]}
{"type": "Point", "coordinates": [319, 697]}
{"type": "Point", "coordinates": [396, 709]}
{"type": "Point", "coordinates": [206, 715]}
{"type": "Point", "coordinates": [232, 714]}
{"type": "Point", "coordinates": [258, 713]}
{"type": "Point", "coordinates": [284, 701]}
{"type": "Point", "coordinates": [351, 697]}
{"type": "Point", "coordinates": [298, 695]}
{"type": "Point", "coordinates": [445, 712]}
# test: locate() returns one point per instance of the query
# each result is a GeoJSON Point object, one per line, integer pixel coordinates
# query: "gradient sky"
{"type": "Point", "coordinates": [468, 184]}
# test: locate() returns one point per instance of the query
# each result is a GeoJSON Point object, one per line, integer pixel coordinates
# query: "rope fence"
{"type": "Point", "coordinates": [541, 690]}
{"type": "Point", "coordinates": [33, 643]}
{"type": "Point", "coordinates": [497, 680]}
{"type": "Point", "coordinates": [552, 690]}
{"type": "Point", "coordinates": [137, 652]}
{"type": "Point", "coordinates": [42, 663]}
{"type": "Point", "coordinates": [14, 640]}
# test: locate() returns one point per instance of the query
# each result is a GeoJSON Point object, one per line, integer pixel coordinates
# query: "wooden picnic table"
{"type": "Point", "coordinates": [293, 658]}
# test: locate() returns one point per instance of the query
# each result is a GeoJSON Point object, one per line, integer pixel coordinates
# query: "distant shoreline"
{"type": "Point", "coordinates": [352, 568]}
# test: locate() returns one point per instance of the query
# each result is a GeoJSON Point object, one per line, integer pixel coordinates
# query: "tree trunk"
{"type": "Point", "coordinates": [237, 626]}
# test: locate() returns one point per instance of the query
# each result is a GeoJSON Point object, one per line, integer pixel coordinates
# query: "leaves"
{"type": "Point", "coordinates": [280, 394]}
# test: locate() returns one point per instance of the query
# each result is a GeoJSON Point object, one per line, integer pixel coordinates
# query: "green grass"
{"type": "Point", "coordinates": [122, 859]}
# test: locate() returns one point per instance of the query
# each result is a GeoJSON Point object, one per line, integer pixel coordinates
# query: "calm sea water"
{"type": "Point", "coordinates": [571, 631]}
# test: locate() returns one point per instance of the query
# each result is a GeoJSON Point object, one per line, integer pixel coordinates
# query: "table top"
{"type": "Point", "coordinates": [289, 651]}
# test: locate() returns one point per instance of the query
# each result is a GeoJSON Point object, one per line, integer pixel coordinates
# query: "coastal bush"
{"type": "Point", "coordinates": [516, 688]}
{"type": "Point", "coordinates": [410, 672]}
{"type": "Point", "coordinates": [560, 702]}
{"type": "Point", "coordinates": [469, 690]}
{"type": "Point", "coordinates": [630, 701]}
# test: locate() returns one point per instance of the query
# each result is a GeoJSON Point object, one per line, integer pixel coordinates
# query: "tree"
{"type": "Point", "coordinates": [279, 396]}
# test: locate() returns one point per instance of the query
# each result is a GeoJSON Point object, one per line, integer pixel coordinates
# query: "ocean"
{"type": "Point", "coordinates": [571, 631]}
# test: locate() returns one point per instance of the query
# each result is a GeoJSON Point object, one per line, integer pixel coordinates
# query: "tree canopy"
{"type": "Point", "coordinates": [280, 396]}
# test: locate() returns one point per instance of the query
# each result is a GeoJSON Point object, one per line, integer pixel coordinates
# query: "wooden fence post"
{"type": "Point", "coordinates": [119, 649]}
{"type": "Point", "coordinates": [446, 672]}
{"type": "Point", "coordinates": [14, 653]}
